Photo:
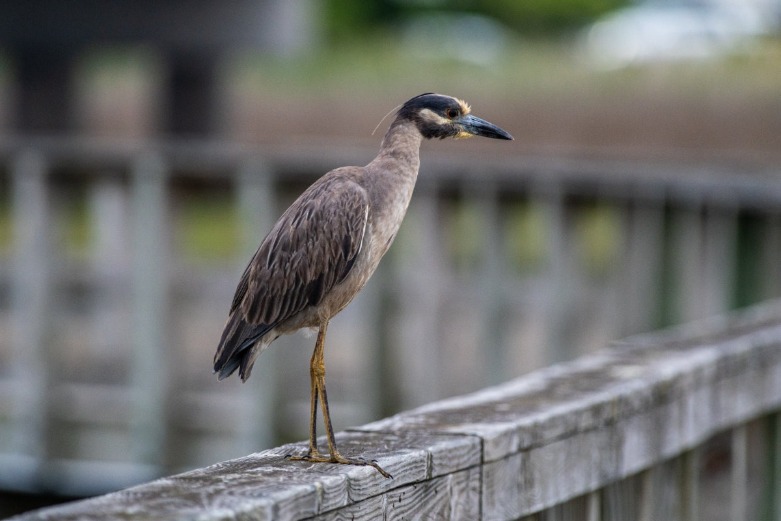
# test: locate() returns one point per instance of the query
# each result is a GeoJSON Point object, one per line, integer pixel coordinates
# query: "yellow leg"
{"type": "Point", "coordinates": [313, 389]}
{"type": "Point", "coordinates": [317, 383]}
{"type": "Point", "coordinates": [316, 366]}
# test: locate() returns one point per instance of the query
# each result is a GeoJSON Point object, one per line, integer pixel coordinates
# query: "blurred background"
{"type": "Point", "coordinates": [147, 147]}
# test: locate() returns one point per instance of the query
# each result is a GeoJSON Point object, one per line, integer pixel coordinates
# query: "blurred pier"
{"type": "Point", "coordinates": [110, 309]}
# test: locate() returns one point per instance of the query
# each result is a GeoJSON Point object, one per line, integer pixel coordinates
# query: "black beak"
{"type": "Point", "coordinates": [480, 127]}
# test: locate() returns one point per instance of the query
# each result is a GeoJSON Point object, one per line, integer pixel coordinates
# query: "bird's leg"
{"type": "Point", "coordinates": [313, 415]}
{"type": "Point", "coordinates": [317, 374]}
{"type": "Point", "coordinates": [315, 365]}
{"type": "Point", "coordinates": [336, 456]}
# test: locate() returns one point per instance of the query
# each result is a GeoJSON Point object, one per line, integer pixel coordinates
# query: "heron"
{"type": "Point", "coordinates": [326, 245]}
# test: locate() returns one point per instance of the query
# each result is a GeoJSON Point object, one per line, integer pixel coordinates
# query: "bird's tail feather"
{"type": "Point", "coordinates": [237, 348]}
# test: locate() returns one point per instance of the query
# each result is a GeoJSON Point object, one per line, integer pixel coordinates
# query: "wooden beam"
{"type": "Point", "coordinates": [505, 452]}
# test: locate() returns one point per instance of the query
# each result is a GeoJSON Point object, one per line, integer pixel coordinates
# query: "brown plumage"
{"type": "Point", "coordinates": [327, 244]}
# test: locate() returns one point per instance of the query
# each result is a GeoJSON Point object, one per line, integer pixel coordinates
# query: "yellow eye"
{"type": "Point", "coordinates": [452, 113]}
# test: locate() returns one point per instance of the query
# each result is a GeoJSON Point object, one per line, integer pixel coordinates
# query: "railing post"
{"type": "Point", "coordinates": [720, 232]}
{"type": "Point", "coordinates": [704, 244]}
{"type": "Point", "coordinates": [562, 291]}
{"type": "Point", "coordinates": [770, 499]}
{"type": "Point", "coordinates": [646, 509]}
{"type": "Point", "coordinates": [594, 506]}
{"type": "Point", "coordinates": [30, 298]}
{"type": "Point", "coordinates": [770, 257]}
{"type": "Point", "coordinates": [690, 485]}
{"type": "Point", "coordinates": [687, 257]}
{"type": "Point", "coordinates": [108, 199]}
{"type": "Point", "coordinates": [739, 472]}
{"type": "Point", "coordinates": [255, 193]}
{"type": "Point", "coordinates": [644, 240]}
{"type": "Point", "coordinates": [150, 368]}
{"type": "Point", "coordinates": [421, 278]}
{"type": "Point", "coordinates": [489, 280]}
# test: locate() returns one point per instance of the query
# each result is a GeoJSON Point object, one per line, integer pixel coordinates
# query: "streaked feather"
{"type": "Point", "coordinates": [311, 248]}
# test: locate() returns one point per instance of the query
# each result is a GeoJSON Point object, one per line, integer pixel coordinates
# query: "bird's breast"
{"type": "Point", "coordinates": [386, 218]}
{"type": "Point", "coordinates": [377, 240]}
{"type": "Point", "coordinates": [390, 189]}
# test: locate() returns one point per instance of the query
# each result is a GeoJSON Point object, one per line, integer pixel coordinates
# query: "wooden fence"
{"type": "Point", "coordinates": [108, 320]}
{"type": "Point", "coordinates": [682, 425]}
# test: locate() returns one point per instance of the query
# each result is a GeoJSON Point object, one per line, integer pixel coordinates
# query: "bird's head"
{"type": "Point", "coordinates": [440, 116]}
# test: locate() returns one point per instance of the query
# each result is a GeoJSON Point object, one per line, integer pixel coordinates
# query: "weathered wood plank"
{"type": "Point", "coordinates": [452, 496]}
{"type": "Point", "coordinates": [509, 451]}
{"type": "Point", "coordinates": [267, 485]}
{"type": "Point", "coordinates": [671, 371]}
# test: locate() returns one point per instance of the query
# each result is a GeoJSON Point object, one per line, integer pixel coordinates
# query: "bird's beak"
{"type": "Point", "coordinates": [474, 126]}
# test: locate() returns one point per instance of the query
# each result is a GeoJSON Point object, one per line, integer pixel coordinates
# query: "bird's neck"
{"type": "Point", "coordinates": [393, 174]}
{"type": "Point", "coordinates": [401, 145]}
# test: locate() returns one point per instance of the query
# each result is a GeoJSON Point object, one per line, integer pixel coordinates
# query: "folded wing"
{"type": "Point", "coordinates": [312, 247]}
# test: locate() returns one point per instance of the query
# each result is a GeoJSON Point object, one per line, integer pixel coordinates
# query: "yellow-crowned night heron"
{"type": "Point", "coordinates": [325, 247]}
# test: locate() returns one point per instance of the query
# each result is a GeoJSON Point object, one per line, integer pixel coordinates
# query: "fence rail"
{"type": "Point", "coordinates": [503, 265]}
{"type": "Point", "coordinates": [677, 425]}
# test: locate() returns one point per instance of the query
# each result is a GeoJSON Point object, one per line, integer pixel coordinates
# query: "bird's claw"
{"type": "Point", "coordinates": [317, 457]}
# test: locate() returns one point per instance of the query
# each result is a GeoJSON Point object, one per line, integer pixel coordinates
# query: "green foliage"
{"type": "Point", "coordinates": [207, 227]}
{"type": "Point", "coordinates": [346, 20]}
{"type": "Point", "coordinates": [349, 19]}
{"type": "Point", "coordinates": [546, 16]}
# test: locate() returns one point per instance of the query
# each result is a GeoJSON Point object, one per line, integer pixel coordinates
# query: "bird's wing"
{"type": "Point", "coordinates": [312, 247]}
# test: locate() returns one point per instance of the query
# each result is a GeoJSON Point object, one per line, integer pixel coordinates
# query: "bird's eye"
{"type": "Point", "coordinates": [452, 113]}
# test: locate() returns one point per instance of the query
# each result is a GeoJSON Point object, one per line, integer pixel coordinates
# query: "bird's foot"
{"type": "Point", "coordinates": [315, 456]}
{"type": "Point", "coordinates": [310, 455]}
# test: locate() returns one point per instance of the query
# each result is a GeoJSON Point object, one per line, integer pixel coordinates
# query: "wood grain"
{"type": "Point", "coordinates": [504, 452]}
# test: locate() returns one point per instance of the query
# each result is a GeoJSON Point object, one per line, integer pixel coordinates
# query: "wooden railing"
{"type": "Point", "coordinates": [503, 265]}
{"type": "Point", "coordinates": [681, 424]}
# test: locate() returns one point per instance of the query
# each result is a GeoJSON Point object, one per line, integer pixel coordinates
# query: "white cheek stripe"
{"type": "Point", "coordinates": [430, 115]}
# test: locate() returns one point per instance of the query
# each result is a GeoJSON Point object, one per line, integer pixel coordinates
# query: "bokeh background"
{"type": "Point", "coordinates": [146, 148]}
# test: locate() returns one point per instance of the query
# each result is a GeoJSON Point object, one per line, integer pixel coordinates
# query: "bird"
{"type": "Point", "coordinates": [326, 245]}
